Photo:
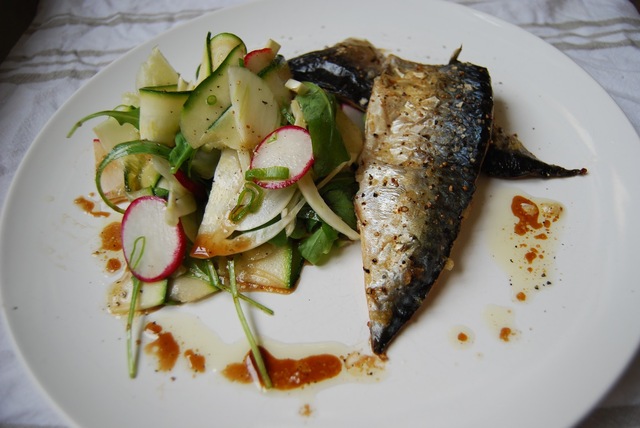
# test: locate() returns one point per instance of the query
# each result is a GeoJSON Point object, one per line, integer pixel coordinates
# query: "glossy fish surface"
{"type": "Point", "coordinates": [428, 128]}
{"type": "Point", "coordinates": [348, 69]}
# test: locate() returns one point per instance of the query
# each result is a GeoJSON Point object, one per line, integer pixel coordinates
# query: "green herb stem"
{"type": "Point", "coordinates": [257, 355]}
{"type": "Point", "coordinates": [131, 353]}
{"type": "Point", "coordinates": [215, 282]}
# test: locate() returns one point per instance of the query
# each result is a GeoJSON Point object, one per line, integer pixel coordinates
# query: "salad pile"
{"type": "Point", "coordinates": [228, 182]}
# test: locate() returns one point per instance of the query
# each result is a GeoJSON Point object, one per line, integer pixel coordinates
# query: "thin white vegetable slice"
{"type": "Point", "coordinates": [227, 184]}
{"type": "Point", "coordinates": [273, 203]}
{"type": "Point", "coordinates": [203, 248]}
{"type": "Point", "coordinates": [315, 201]}
{"type": "Point", "coordinates": [152, 248]}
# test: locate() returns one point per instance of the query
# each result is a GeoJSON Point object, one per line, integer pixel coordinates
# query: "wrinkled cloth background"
{"type": "Point", "coordinates": [69, 41]}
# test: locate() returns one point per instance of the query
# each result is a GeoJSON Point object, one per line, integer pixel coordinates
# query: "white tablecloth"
{"type": "Point", "coordinates": [71, 40]}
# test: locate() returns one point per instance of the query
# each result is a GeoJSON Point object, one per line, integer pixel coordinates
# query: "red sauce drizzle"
{"type": "Point", "coordinates": [527, 213]}
{"type": "Point", "coordinates": [197, 362]}
{"type": "Point", "coordinates": [286, 373]}
{"type": "Point", "coordinates": [110, 237]}
{"type": "Point", "coordinates": [505, 332]}
{"type": "Point", "coordinates": [88, 207]}
{"type": "Point", "coordinates": [165, 347]}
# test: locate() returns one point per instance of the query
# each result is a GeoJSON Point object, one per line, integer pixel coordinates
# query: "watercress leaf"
{"type": "Point", "coordinates": [181, 153]}
{"type": "Point", "coordinates": [129, 114]}
{"type": "Point", "coordinates": [319, 111]}
{"type": "Point", "coordinates": [317, 246]}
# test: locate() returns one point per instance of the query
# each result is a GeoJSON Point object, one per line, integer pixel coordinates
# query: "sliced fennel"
{"type": "Point", "coordinates": [312, 196]}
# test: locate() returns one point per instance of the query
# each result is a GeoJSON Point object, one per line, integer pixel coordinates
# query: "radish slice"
{"type": "Point", "coordinates": [290, 147]}
{"type": "Point", "coordinates": [152, 248]}
{"type": "Point", "coordinates": [259, 59]}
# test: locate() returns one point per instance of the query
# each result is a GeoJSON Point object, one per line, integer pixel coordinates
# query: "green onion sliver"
{"type": "Point", "coordinates": [269, 173]}
{"type": "Point", "coordinates": [249, 201]}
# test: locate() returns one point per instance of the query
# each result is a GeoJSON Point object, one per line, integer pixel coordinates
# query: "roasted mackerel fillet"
{"type": "Point", "coordinates": [427, 131]}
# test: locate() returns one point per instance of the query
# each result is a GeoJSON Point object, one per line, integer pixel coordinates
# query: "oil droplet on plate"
{"type": "Point", "coordinates": [462, 337]}
{"type": "Point", "coordinates": [523, 240]}
{"type": "Point", "coordinates": [501, 320]}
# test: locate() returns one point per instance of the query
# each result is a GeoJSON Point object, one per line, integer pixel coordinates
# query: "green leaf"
{"type": "Point", "coordinates": [181, 153]}
{"type": "Point", "coordinates": [319, 111]}
{"type": "Point", "coordinates": [129, 114]}
{"type": "Point", "coordinates": [317, 246]}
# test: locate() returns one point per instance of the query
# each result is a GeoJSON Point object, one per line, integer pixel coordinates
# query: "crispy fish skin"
{"type": "Point", "coordinates": [346, 69]}
{"type": "Point", "coordinates": [427, 132]}
{"type": "Point", "coordinates": [507, 157]}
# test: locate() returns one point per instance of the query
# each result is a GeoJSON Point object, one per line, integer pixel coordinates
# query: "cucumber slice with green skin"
{"type": "Point", "coordinates": [223, 133]}
{"type": "Point", "coordinates": [152, 294]}
{"type": "Point", "coordinates": [160, 109]}
{"type": "Point", "coordinates": [216, 49]}
{"type": "Point", "coordinates": [256, 110]}
{"type": "Point", "coordinates": [276, 74]}
{"type": "Point", "coordinates": [186, 289]}
{"type": "Point", "coordinates": [208, 100]}
{"type": "Point", "coordinates": [268, 268]}
{"type": "Point", "coordinates": [139, 174]}
{"type": "Point", "coordinates": [156, 70]}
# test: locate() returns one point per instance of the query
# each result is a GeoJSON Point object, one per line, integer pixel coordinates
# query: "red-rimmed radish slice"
{"type": "Point", "coordinates": [290, 147]}
{"type": "Point", "coordinates": [196, 189]}
{"type": "Point", "coordinates": [152, 248]}
{"type": "Point", "coordinates": [257, 60]}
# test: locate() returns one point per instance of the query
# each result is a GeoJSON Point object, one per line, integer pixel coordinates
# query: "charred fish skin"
{"type": "Point", "coordinates": [346, 69]}
{"type": "Point", "coordinates": [428, 128]}
{"type": "Point", "coordinates": [508, 158]}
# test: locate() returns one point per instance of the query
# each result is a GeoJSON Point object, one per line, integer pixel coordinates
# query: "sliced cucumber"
{"type": "Point", "coordinates": [276, 75]}
{"type": "Point", "coordinates": [269, 268]}
{"type": "Point", "coordinates": [216, 49]}
{"type": "Point", "coordinates": [208, 100]}
{"type": "Point", "coordinates": [156, 71]}
{"type": "Point", "coordinates": [223, 132]}
{"type": "Point", "coordinates": [139, 173]}
{"type": "Point", "coordinates": [185, 289]}
{"type": "Point", "coordinates": [256, 110]}
{"type": "Point", "coordinates": [152, 294]}
{"type": "Point", "coordinates": [160, 108]}
{"type": "Point", "coordinates": [221, 45]}
{"type": "Point", "coordinates": [111, 133]}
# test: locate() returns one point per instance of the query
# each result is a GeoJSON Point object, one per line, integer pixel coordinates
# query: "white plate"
{"type": "Point", "coordinates": [576, 337]}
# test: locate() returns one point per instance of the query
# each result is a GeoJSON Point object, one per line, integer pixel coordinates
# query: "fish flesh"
{"type": "Point", "coordinates": [348, 69]}
{"type": "Point", "coordinates": [427, 131]}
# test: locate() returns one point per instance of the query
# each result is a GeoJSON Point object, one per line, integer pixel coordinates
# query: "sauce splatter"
{"type": "Point", "coordinates": [501, 320]}
{"type": "Point", "coordinates": [110, 237]}
{"type": "Point", "coordinates": [164, 347]}
{"type": "Point", "coordinates": [89, 207]}
{"type": "Point", "coordinates": [197, 362]}
{"type": "Point", "coordinates": [287, 373]}
{"type": "Point", "coordinates": [525, 244]}
{"type": "Point", "coordinates": [111, 243]}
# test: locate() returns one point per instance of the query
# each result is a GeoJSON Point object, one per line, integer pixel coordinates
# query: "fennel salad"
{"type": "Point", "coordinates": [228, 182]}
